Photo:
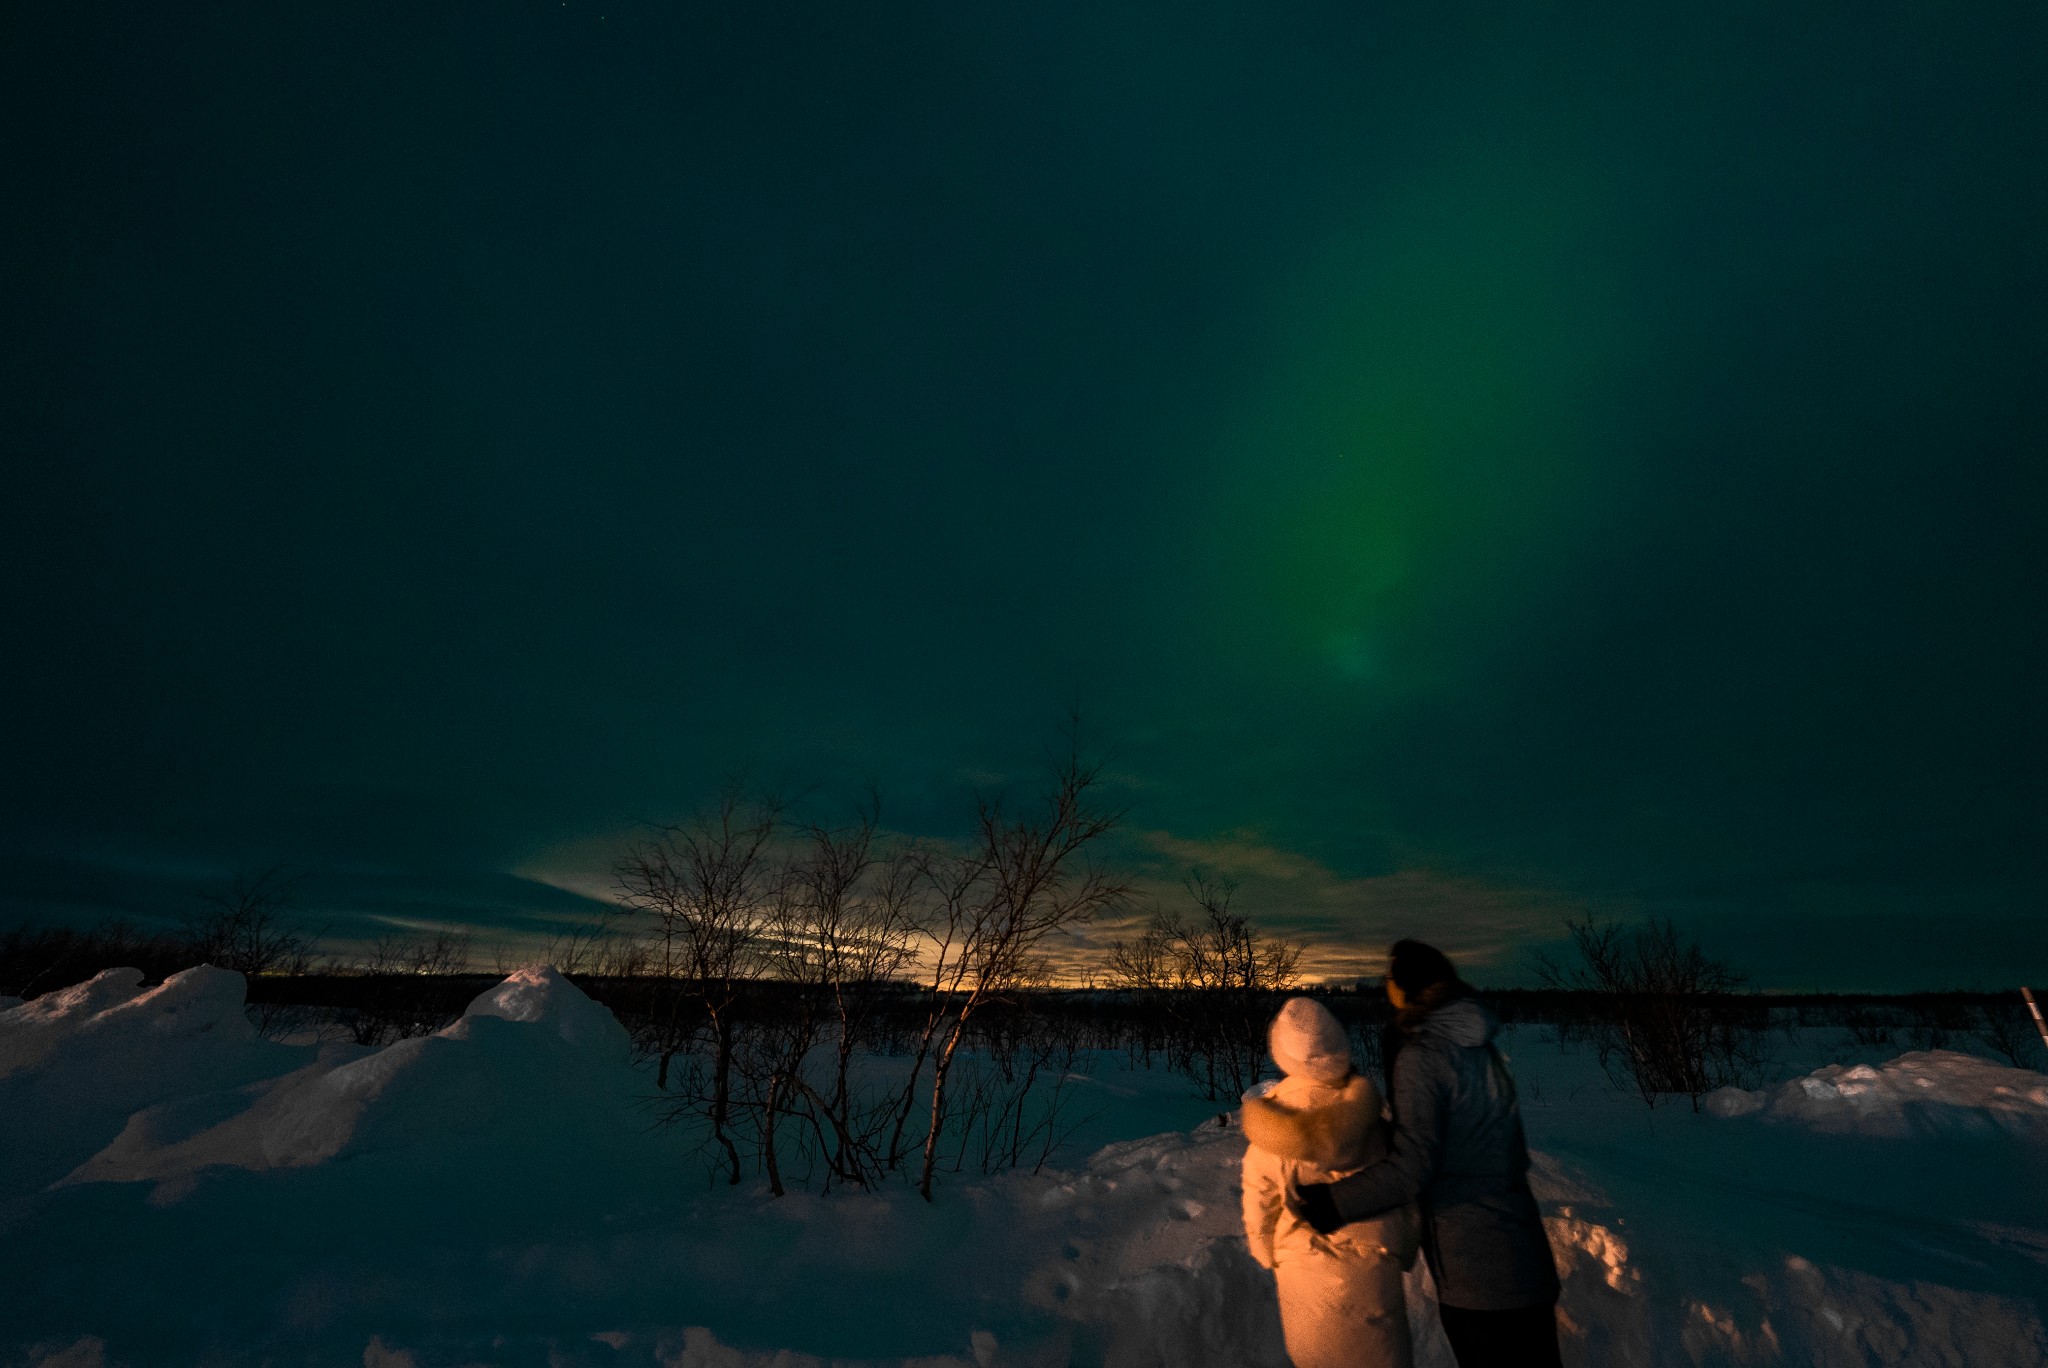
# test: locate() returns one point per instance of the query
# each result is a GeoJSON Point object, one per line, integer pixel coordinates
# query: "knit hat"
{"type": "Point", "coordinates": [1307, 1042]}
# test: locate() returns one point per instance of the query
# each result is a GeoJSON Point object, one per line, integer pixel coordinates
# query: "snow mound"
{"type": "Point", "coordinates": [1926, 1092]}
{"type": "Point", "coordinates": [1147, 1254]}
{"type": "Point", "coordinates": [107, 1023]}
{"type": "Point", "coordinates": [30, 1031]}
{"type": "Point", "coordinates": [529, 1060]}
{"type": "Point", "coordinates": [523, 1055]}
{"type": "Point", "coordinates": [538, 995]}
{"type": "Point", "coordinates": [82, 1060]}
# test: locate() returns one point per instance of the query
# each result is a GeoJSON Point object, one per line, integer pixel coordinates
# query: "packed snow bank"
{"type": "Point", "coordinates": [492, 1194]}
{"type": "Point", "coordinates": [29, 1034]}
{"type": "Point", "coordinates": [1144, 1257]}
{"type": "Point", "coordinates": [524, 1058]}
{"type": "Point", "coordinates": [109, 1027]}
{"type": "Point", "coordinates": [1927, 1092]}
{"type": "Point", "coordinates": [81, 1061]}
{"type": "Point", "coordinates": [539, 996]}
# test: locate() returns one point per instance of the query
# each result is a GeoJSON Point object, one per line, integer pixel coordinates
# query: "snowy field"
{"type": "Point", "coordinates": [176, 1190]}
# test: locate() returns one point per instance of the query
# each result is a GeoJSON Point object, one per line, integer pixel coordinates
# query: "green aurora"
{"type": "Point", "coordinates": [1469, 470]}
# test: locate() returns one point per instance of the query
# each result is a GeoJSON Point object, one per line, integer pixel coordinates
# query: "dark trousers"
{"type": "Point", "coordinates": [1525, 1337]}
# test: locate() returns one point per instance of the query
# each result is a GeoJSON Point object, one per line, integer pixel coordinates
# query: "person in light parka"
{"type": "Point", "coordinates": [1341, 1302]}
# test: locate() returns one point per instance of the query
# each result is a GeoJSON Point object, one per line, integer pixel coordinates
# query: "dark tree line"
{"type": "Point", "coordinates": [827, 1005]}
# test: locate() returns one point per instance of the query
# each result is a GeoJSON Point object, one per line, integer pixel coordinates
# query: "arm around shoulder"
{"type": "Point", "coordinates": [1421, 1085]}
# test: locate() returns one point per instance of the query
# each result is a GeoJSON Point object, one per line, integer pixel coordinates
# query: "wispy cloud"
{"type": "Point", "coordinates": [1345, 922]}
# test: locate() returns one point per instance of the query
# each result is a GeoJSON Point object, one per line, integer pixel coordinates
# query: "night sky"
{"type": "Point", "coordinates": [1469, 466]}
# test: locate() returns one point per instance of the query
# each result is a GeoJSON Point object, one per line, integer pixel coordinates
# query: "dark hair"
{"type": "Point", "coordinates": [1414, 966]}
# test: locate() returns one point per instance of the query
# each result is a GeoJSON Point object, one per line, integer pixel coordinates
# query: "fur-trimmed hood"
{"type": "Point", "coordinates": [1335, 1128]}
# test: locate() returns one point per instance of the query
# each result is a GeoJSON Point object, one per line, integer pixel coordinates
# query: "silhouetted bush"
{"type": "Point", "coordinates": [1664, 1016]}
{"type": "Point", "coordinates": [1209, 984]}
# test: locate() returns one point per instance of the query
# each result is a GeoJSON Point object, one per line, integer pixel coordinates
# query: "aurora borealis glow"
{"type": "Point", "coordinates": [1467, 467]}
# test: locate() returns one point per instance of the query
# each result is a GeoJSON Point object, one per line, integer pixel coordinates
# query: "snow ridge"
{"type": "Point", "coordinates": [490, 1194]}
{"type": "Point", "coordinates": [1923, 1093]}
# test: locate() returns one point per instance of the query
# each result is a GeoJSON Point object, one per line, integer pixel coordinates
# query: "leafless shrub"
{"type": "Point", "coordinates": [2006, 1030]}
{"type": "Point", "coordinates": [837, 933]}
{"type": "Point", "coordinates": [444, 952]}
{"type": "Point", "coordinates": [1939, 1023]}
{"type": "Point", "coordinates": [1666, 1019]}
{"type": "Point", "coordinates": [1015, 1108]}
{"type": "Point", "coordinates": [390, 1006]}
{"type": "Point", "coordinates": [990, 907]}
{"type": "Point", "coordinates": [1868, 1025]}
{"type": "Point", "coordinates": [599, 948]}
{"type": "Point", "coordinates": [708, 887]}
{"type": "Point", "coordinates": [806, 942]}
{"type": "Point", "coordinates": [1369, 1044]}
{"type": "Point", "coordinates": [246, 926]}
{"type": "Point", "coordinates": [1215, 979]}
{"type": "Point", "coordinates": [854, 923]}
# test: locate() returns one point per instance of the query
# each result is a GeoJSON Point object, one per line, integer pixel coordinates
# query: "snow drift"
{"type": "Point", "coordinates": [179, 1190]}
{"type": "Point", "coordinates": [525, 1056]}
{"type": "Point", "coordinates": [1926, 1093]}
{"type": "Point", "coordinates": [76, 1064]}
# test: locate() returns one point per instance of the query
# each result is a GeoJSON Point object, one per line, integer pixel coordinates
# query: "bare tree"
{"type": "Point", "coordinates": [2007, 1030]}
{"type": "Point", "coordinates": [246, 926]}
{"type": "Point", "coordinates": [708, 885]}
{"type": "Point", "coordinates": [594, 948]}
{"type": "Point", "coordinates": [34, 959]}
{"type": "Point", "coordinates": [1937, 1022]}
{"type": "Point", "coordinates": [1020, 879]}
{"type": "Point", "coordinates": [1213, 977]}
{"type": "Point", "coordinates": [1868, 1025]}
{"type": "Point", "coordinates": [444, 952]}
{"type": "Point", "coordinates": [855, 907]}
{"type": "Point", "coordinates": [835, 937]}
{"type": "Point", "coordinates": [1014, 1102]}
{"type": "Point", "coordinates": [1666, 1020]}
{"type": "Point", "coordinates": [389, 1008]}
{"type": "Point", "coordinates": [951, 883]}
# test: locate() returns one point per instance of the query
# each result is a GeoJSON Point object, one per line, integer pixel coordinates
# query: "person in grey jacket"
{"type": "Point", "coordinates": [1458, 1149]}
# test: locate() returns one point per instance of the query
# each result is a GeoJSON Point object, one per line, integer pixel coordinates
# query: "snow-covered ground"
{"type": "Point", "coordinates": [175, 1190]}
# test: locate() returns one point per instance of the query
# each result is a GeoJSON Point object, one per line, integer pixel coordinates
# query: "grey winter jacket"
{"type": "Point", "coordinates": [1458, 1147]}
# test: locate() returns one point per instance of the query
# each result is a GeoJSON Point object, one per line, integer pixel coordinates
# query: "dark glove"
{"type": "Point", "coordinates": [1314, 1204]}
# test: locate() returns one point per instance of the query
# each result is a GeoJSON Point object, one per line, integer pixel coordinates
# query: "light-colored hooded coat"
{"type": "Point", "coordinates": [1341, 1304]}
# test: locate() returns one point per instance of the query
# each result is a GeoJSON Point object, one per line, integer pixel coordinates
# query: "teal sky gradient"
{"type": "Point", "coordinates": [1468, 468]}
